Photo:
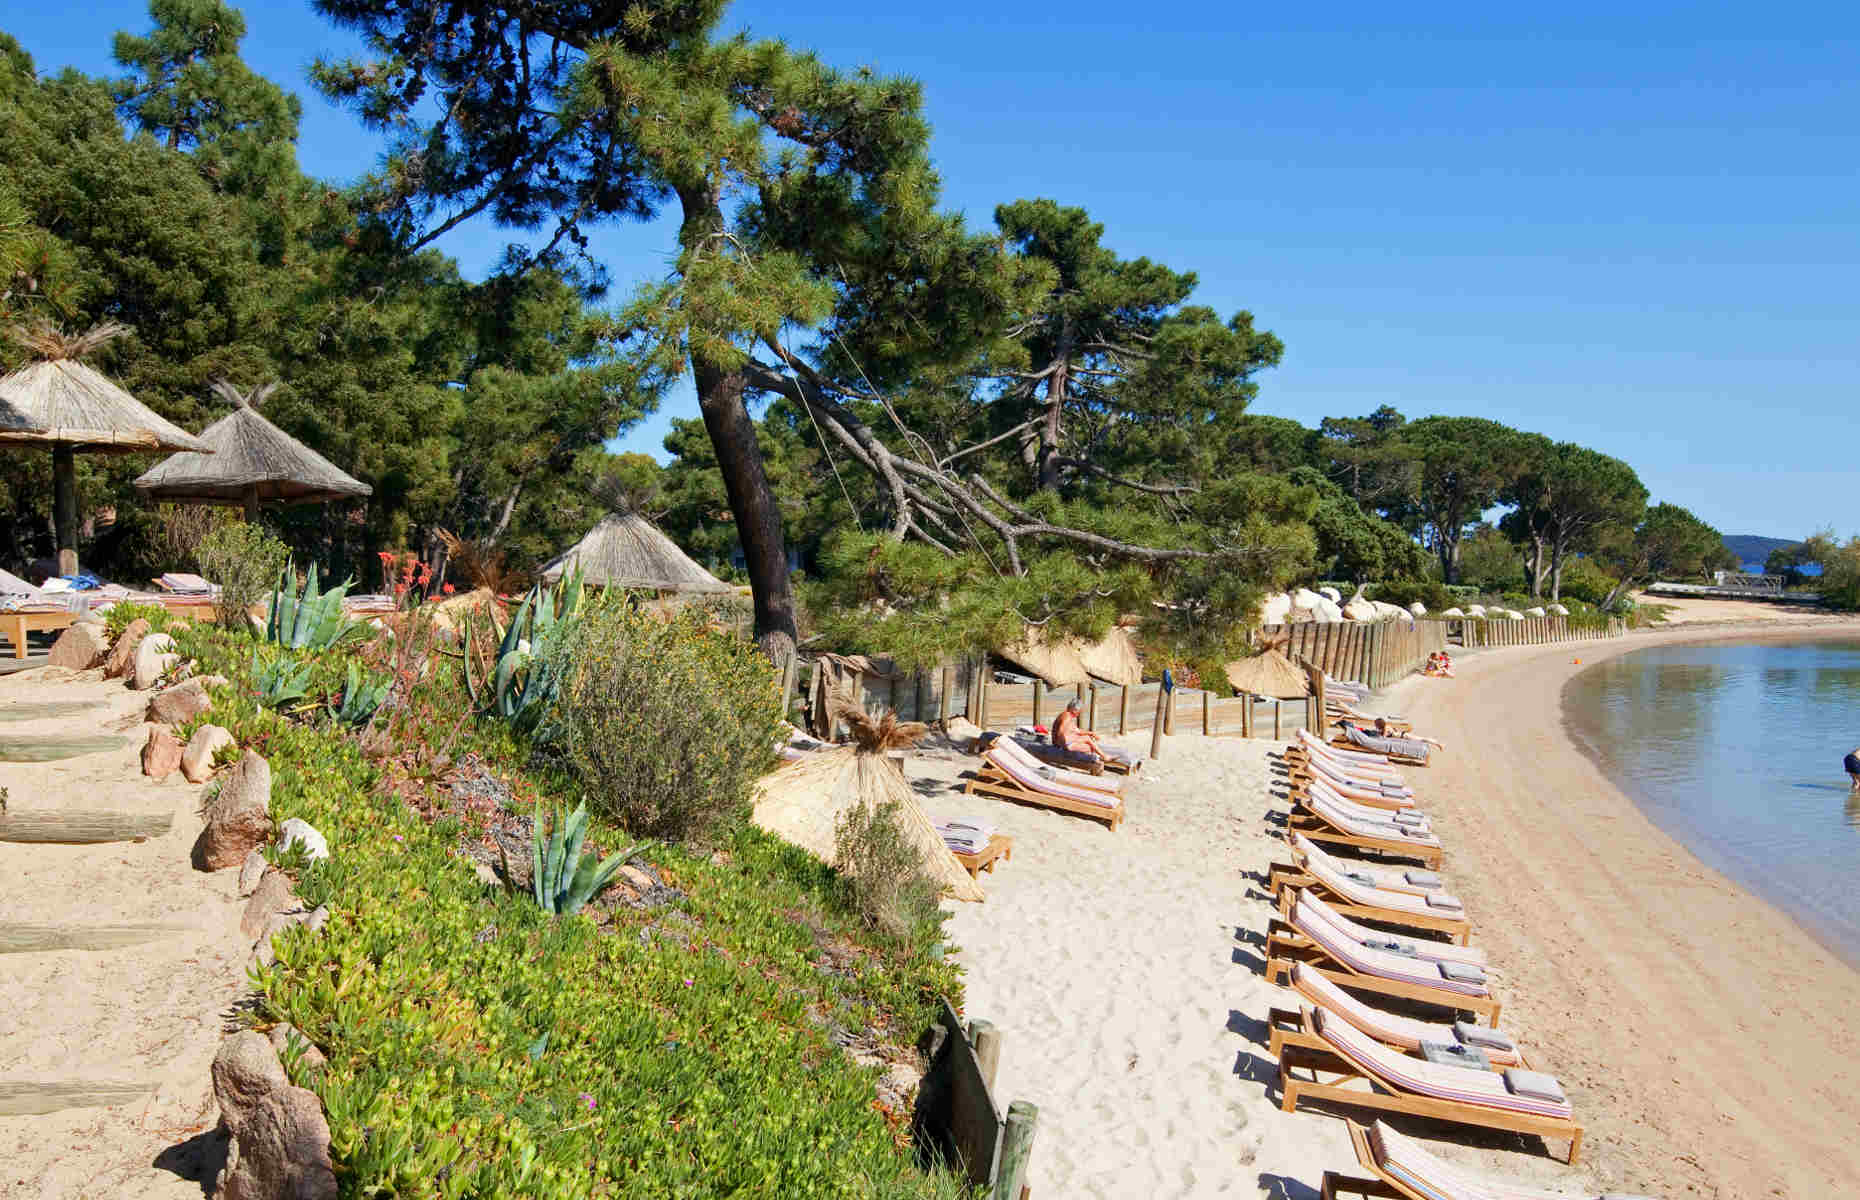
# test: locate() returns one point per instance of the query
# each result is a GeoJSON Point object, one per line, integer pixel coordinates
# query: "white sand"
{"type": "Point", "coordinates": [147, 1013]}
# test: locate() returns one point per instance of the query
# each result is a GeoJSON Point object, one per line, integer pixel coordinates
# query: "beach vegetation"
{"type": "Point", "coordinates": [885, 873]}
{"type": "Point", "coordinates": [1668, 543]}
{"type": "Point", "coordinates": [562, 878]}
{"type": "Point", "coordinates": [362, 694]}
{"type": "Point", "coordinates": [665, 723]}
{"type": "Point", "coordinates": [1839, 582]}
{"type": "Point", "coordinates": [309, 619]}
{"type": "Point", "coordinates": [283, 684]}
{"type": "Point", "coordinates": [244, 559]}
{"type": "Point", "coordinates": [121, 616]}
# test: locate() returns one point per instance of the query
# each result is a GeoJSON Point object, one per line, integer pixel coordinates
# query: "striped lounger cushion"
{"type": "Point", "coordinates": [1406, 1032]}
{"type": "Point", "coordinates": [1405, 747]}
{"type": "Point", "coordinates": [1373, 938]}
{"type": "Point", "coordinates": [1389, 879]}
{"type": "Point", "coordinates": [1403, 1158]}
{"type": "Point", "coordinates": [1032, 781]}
{"type": "Point", "coordinates": [1378, 964]}
{"type": "Point", "coordinates": [1361, 827]}
{"type": "Point", "coordinates": [1484, 1089]}
{"type": "Point", "coordinates": [1325, 870]}
{"type": "Point", "coordinates": [1404, 816]}
{"type": "Point", "coordinates": [1064, 775]}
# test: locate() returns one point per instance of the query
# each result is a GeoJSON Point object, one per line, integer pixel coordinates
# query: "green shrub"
{"type": "Point", "coordinates": [666, 723]}
{"type": "Point", "coordinates": [122, 616]}
{"type": "Point", "coordinates": [562, 878]}
{"type": "Point", "coordinates": [1404, 592]}
{"type": "Point", "coordinates": [885, 873]}
{"type": "Point", "coordinates": [244, 559]}
{"type": "Point", "coordinates": [310, 619]}
{"type": "Point", "coordinates": [1584, 581]}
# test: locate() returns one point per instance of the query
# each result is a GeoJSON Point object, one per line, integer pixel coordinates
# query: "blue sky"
{"type": "Point", "coordinates": [1633, 226]}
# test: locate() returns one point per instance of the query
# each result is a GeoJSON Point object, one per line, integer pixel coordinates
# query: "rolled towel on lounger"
{"type": "Point", "coordinates": [1482, 1035]}
{"type": "Point", "coordinates": [1455, 1054]}
{"type": "Point", "coordinates": [1534, 1085]}
{"type": "Point", "coordinates": [1422, 879]}
{"type": "Point", "coordinates": [1407, 817]}
{"type": "Point", "coordinates": [1450, 903]}
{"type": "Point", "coordinates": [1461, 972]}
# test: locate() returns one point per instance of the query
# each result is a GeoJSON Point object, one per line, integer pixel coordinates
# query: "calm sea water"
{"type": "Point", "coordinates": [1736, 751]}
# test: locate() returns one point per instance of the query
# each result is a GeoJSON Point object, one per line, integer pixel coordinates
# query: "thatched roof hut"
{"type": "Point", "coordinates": [1268, 673]}
{"type": "Point", "coordinates": [60, 402]}
{"type": "Point", "coordinates": [801, 802]}
{"type": "Point", "coordinates": [1063, 661]}
{"type": "Point", "coordinates": [250, 462]}
{"type": "Point", "coordinates": [624, 550]}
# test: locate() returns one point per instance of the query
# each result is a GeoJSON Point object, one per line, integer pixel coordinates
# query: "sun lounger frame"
{"type": "Point", "coordinates": [1292, 1026]}
{"type": "Point", "coordinates": [1399, 1100]}
{"type": "Point", "coordinates": [1285, 946]}
{"type": "Point", "coordinates": [1404, 759]}
{"type": "Point", "coordinates": [16, 625]}
{"type": "Point", "coordinates": [1286, 878]}
{"type": "Point", "coordinates": [1298, 784]}
{"type": "Point", "coordinates": [1000, 848]}
{"type": "Point", "coordinates": [1304, 821]}
{"type": "Point", "coordinates": [993, 784]}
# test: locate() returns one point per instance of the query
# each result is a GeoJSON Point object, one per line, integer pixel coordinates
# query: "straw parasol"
{"type": "Point", "coordinates": [1268, 673]}
{"type": "Point", "coordinates": [250, 462]}
{"type": "Point", "coordinates": [623, 550]}
{"type": "Point", "coordinates": [1063, 661]}
{"type": "Point", "coordinates": [59, 402]}
{"type": "Point", "coordinates": [801, 802]}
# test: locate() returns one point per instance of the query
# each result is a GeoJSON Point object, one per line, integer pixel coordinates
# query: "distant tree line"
{"type": "Point", "coordinates": [955, 431]}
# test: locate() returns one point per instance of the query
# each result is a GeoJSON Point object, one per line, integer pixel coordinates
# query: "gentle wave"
{"type": "Point", "coordinates": [1736, 751]}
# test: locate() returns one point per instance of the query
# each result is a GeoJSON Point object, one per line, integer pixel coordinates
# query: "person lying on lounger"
{"type": "Point", "coordinates": [1381, 729]}
{"type": "Point", "coordinates": [1068, 736]}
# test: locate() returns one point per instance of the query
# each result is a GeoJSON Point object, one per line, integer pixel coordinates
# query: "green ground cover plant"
{"type": "Point", "coordinates": [480, 1046]}
{"type": "Point", "coordinates": [245, 559]}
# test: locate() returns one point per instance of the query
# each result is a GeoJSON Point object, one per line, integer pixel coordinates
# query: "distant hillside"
{"type": "Point", "coordinates": [1754, 551]}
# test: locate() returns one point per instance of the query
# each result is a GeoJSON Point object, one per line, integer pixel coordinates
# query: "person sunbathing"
{"type": "Point", "coordinates": [1438, 665]}
{"type": "Point", "coordinates": [1381, 729]}
{"type": "Point", "coordinates": [1068, 736]}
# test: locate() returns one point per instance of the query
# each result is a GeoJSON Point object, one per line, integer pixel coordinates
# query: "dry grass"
{"type": "Point", "coordinates": [46, 341]}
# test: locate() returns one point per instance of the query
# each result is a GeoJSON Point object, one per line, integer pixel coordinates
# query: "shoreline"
{"type": "Point", "coordinates": [1706, 1035]}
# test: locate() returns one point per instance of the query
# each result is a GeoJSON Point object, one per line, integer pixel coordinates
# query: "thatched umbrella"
{"type": "Point", "coordinates": [802, 802]}
{"type": "Point", "coordinates": [1268, 673]}
{"type": "Point", "coordinates": [624, 551]}
{"type": "Point", "coordinates": [60, 402]}
{"type": "Point", "coordinates": [250, 462]}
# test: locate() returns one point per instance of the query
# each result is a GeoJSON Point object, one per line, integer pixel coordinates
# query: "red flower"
{"type": "Point", "coordinates": [448, 589]}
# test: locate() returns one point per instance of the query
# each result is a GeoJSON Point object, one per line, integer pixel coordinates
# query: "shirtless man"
{"type": "Point", "coordinates": [1068, 736]}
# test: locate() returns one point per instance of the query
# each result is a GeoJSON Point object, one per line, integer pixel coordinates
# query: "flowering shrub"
{"type": "Point", "coordinates": [666, 723]}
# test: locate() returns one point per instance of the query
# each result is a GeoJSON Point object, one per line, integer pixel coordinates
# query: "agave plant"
{"type": "Point", "coordinates": [310, 620]}
{"type": "Point", "coordinates": [283, 684]}
{"type": "Point", "coordinates": [530, 661]}
{"type": "Point", "coordinates": [361, 696]}
{"type": "Point", "coordinates": [562, 878]}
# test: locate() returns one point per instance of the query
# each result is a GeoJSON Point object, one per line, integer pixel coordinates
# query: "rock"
{"type": "Point", "coordinates": [1534, 612]}
{"type": "Point", "coordinates": [1360, 610]}
{"type": "Point", "coordinates": [272, 897]}
{"type": "Point", "coordinates": [178, 627]}
{"type": "Point", "coordinates": [265, 953]}
{"type": "Point", "coordinates": [961, 732]}
{"type": "Point", "coordinates": [637, 879]}
{"type": "Point", "coordinates": [238, 818]}
{"type": "Point", "coordinates": [155, 656]}
{"type": "Point", "coordinates": [122, 654]}
{"type": "Point", "coordinates": [486, 875]}
{"type": "Point", "coordinates": [1417, 609]}
{"type": "Point", "coordinates": [299, 831]}
{"type": "Point", "coordinates": [280, 1139]}
{"type": "Point", "coordinates": [1276, 609]}
{"type": "Point", "coordinates": [162, 753]}
{"type": "Point", "coordinates": [180, 704]}
{"type": "Point", "coordinates": [251, 871]}
{"type": "Point", "coordinates": [286, 1034]}
{"type": "Point", "coordinates": [214, 681]}
{"type": "Point", "coordinates": [1453, 612]}
{"type": "Point", "coordinates": [207, 742]}
{"type": "Point", "coordinates": [1558, 610]}
{"type": "Point", "coordinates": [1331, 594]}
{"type": "Point", "coordinates": [79, 648]}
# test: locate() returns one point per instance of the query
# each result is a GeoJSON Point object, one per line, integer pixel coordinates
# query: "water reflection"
{"type": "Point", "coordinates": [1736, 751]}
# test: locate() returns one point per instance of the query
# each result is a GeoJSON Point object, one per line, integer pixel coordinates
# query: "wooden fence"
{"type": "Point", "coordinates": [1531, 631]}
{"type": "Point", "coordinates": [1376, 653]}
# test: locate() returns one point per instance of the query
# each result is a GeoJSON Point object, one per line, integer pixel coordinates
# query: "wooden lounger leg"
{"type": "Point", "coordinates": [17, 630]}
{"type": "Point", "coordinates": [1338, 1187]}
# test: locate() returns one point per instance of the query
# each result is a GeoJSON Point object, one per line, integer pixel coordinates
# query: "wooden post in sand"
{"type": "Point", "coordinates": [946, 684]}
{"type": "Point", "coordinates": [1207, 713]}
{"type": "Point", "coordinates": [987, 1042]}
{"type": "Point", "coordinates": [1123, 707]}
{"type": "Point", "coordinates": [1036, 701]}
{"type": "Point", "coordinates": [1156, 726]}
{"type": "Point", "coordinates": [1246, 714]}
{"type": "Point", "coordinates": [1091, 708]}
{"type": "Point", "coordinates": [1169, 714]}
{"type": "Point", "coordinates": [1023, 1119]}
{"type": "Point", "coordinates": [1278, 711]}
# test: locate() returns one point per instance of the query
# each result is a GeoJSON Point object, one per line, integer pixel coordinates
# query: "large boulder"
{"type": "Point", "coordinates": [122, 655]}
{"type": "Point", "coordinates": [1535, 612]}
{"type": "Point", "coordinates": [180, 703]}
{"type": "Point", "coordinates": [80, 647]}
{"type": "Point", "coordinates": [1360, 610]}
{"type": "Point", "coordinates": [1417, 609]}
{"type": "Point", "coordinates": [162, 753]}
{"type": "Point", "coordinates": [1476, 610]}
{"type": "Point", "coordinates": [238, 818]}
{"type": "Point", "coordinates": [1327, 610]}
{"type": "Point", "coordinates": [1453, 612]}
{"type": "Point", "coordinates": [280, 1138]}
{"type": "Point", "coordinates": [1276, 609]}
{"type": "Point", "coordinates": [299, 832]}
{"type": "Point", "coordinates": [273, 896]}
{"type": "Point", "coordinates": [202, 749]}
{"type": "Point", "coordinates": [1558, 610]}
{"type": "Point", "coordinates": [155, 657]}
{"type": "Point", "coordinates": [1331, 594]}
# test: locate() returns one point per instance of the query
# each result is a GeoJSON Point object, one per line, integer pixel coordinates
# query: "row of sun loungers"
{"type": "Point", "coordinates": [1360, 927]}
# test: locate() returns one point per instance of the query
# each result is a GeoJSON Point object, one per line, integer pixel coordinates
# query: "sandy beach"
{"type": "Point", "coordinates": [1706, 1040]}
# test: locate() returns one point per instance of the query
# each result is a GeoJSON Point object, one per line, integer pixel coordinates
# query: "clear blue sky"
{"type": "Point", "coordinates": [1631, 225]}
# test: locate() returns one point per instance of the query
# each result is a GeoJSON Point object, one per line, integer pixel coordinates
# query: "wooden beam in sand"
{"type": "Point", "coordinates": [31, 1098]}
{"type": "Point", "coordinates": [82, 826]}
{"type": "Point", "coordinates": [18, 937]}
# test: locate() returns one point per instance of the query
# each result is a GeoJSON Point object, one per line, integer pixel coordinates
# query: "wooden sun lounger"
{"type": "Point", "coordinates": [1286, 879]}
{"type": "Point", "coordinates": [1344, 712]}
{"type": "Point", "coordinates": [1385, 1185]}
{"type": "Point", "coordinates": [996, 780]}
{"type": "Point", "coordinates": [1298, 783]}
{"type": "Point", "coordinates": [1285, 945]}
{"type": "Point", "coordinates": [1320, 831]}
{"type": "Point", "coordinates": [1000, 848]}
{"type": "Point", "coordinates": [1292, 1027]}
{"type": "Point", "coordinates": [16, 625]}
{"type": "Point", "coordinates": [1383, 1096]}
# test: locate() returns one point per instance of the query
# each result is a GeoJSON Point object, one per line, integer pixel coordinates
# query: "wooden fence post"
{"type": "Point", "coordinates": [987, 1042]}
{"type": "Point", "coordinates": [1278, 711]}
{"type": "Point", "coordinates": [947, 681]}
{"type": "Point", "coordinates": [918, 679]}
{"type": "Point", "coordinates": [1023, 1120]}
{"type": "Point", "coordinates": [1207, 713]}
{"type": "Point", "coordinates": [1123, 708]}
{"type": "Point", "coordinates": [1169, 716]}
{"type": "Point", "coordinates": [1246, 714]}
{"type": "Point", "coordinates": [1036, 701]}
{"type": "Point", "coordinates": [1091, 707]}
{"type": "Point", "coordinates": [1156, 727]}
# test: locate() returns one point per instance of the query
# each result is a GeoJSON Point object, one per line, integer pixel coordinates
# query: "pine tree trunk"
{"type": "Point", "coordinates": [1537, 567]}
{"type": "Point", "coordinates": [1556, 570]}
{"type": "Point", "coordinates": [758, 520]}
{"type": "Point", "coordinates": [1049, 432]}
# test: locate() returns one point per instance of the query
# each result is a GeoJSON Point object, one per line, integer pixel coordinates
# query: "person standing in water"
{"type": "Point", "coordinates": [1852, 763]}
